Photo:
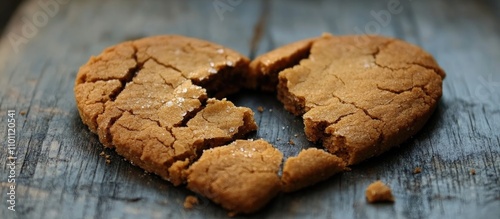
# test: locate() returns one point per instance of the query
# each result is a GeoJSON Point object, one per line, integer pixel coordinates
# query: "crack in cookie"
{"type": "Point", "coordinates": [264, 69]}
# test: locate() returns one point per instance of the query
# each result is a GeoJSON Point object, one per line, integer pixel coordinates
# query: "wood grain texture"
{"type": "Point", "coordinates": [61, 175]}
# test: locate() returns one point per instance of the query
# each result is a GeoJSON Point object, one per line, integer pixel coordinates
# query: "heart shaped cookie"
{"type": "Point", "coordinates": [149, 100]}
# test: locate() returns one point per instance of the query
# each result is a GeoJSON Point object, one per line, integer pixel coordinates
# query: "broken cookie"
{"type": "Point", "coordinates": [359, 96]}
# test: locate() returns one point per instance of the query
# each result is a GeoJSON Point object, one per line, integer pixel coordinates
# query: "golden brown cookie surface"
{"type": "Point", "coordinates": [358, 95]}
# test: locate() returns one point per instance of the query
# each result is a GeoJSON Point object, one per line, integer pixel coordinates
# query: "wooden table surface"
{"type": "Point", "coordinates": [58, 170]}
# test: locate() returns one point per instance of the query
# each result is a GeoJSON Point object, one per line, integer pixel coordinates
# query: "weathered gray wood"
{"type": "Point", "coordinates": [7, 8]}
{"type": "Point", "coordinates": [61, 175]}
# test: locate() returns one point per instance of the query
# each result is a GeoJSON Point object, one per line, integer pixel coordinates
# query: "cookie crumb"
{"type": "Point", "coordinates": [417, 170]}
{"type": "Point", "coordinates": [296, 135]}
{"type": "Point", "coordinates": [260, 109]}
{"type": "Point", "coordinates": [291, 142]}
{"type": "Point", "coordinates": [22, 113]}
{"type": "Point", "coordinates": [378, 192]}
{"type": "Point", "coordinates": [106, 157]}
{"type": "Point", "coordinates": [472, 171]}
{"type": "Point", "coordinates": [190, 201]}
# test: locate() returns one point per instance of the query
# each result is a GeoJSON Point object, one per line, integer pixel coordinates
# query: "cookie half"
{"type": "Point", "coordinates": [358, 95]}
{"type": "Point", "coordinates": [148, 99]}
